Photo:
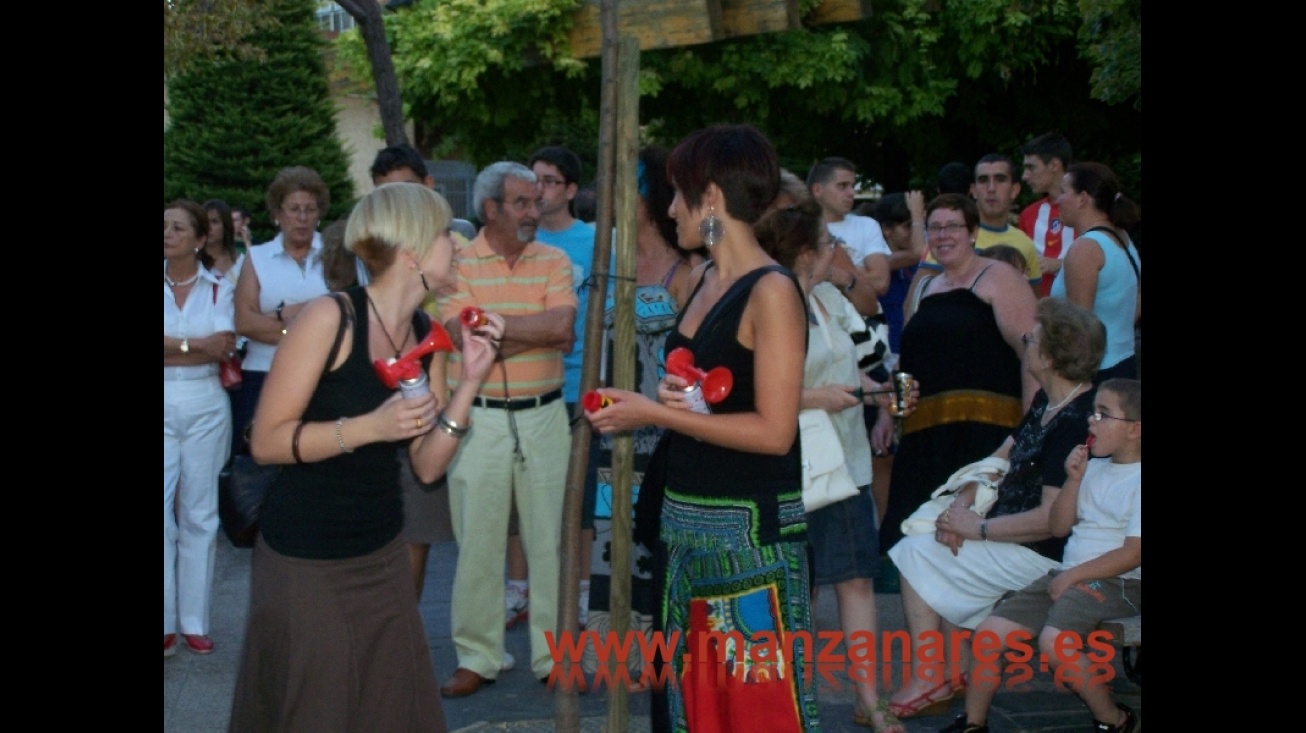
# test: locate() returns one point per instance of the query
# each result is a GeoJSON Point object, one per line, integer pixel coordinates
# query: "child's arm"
{"type": "Point", "coordinates": [1065, 508]}
{"type": "Point", "coordinates": [1112, 564]}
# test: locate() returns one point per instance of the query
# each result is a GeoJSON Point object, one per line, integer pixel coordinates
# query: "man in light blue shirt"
{"type": "Point", "coordinates": [558, 171]}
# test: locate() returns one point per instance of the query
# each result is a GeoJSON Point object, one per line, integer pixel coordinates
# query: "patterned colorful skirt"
{"type": "Point", "coordinates": [731, 608]}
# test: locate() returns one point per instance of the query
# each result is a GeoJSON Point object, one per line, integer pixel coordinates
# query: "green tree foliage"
{"type": "Point", "coordinates": [486, 77]}
{"type": "Point", "coordinates": [918, 84]}
{"type": "Point", "coordinates": [235, 123]}
{"type": "Point", "coordinates": [1112, 38]}
{"type": "Point", "coordinates": [207, 30]}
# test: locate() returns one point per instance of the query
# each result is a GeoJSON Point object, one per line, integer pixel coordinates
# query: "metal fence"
{"type": "Point", "coordinates": [454, 180]}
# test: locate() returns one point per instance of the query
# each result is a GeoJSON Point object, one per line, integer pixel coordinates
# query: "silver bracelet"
{"type": "Point", "coordinates": [450, 427]}
{"type": "Point", "coordinates": [340, 438]}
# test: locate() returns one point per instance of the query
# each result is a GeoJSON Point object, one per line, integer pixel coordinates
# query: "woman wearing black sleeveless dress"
{"type": "Point", "coordinates": [963, 344]}
{"type": "Point", "coordinates": [732, 519]}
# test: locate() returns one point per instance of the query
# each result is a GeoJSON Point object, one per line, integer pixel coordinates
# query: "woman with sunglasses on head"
{"type": "Point", "coordinates": [277, 279]}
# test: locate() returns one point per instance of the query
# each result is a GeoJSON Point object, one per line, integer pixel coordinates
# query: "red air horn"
{"type": "Point", "coordinates": [409, 365]}
{"type": "Point", "coordinates": [592, 401]}
{"type": "Point", "coordinates": [473, 317]}
{"type": "Point", "coordinates": [708, 387]}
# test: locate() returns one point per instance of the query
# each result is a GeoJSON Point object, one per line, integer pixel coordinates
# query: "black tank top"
{"type": "Point", "coordinates": [697, 468]}
{"type": "Point", "coordinates": [348, 505]}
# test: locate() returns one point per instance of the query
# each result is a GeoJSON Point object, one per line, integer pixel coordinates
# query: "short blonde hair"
{"type": "Point", "coordinates": [394, 217]}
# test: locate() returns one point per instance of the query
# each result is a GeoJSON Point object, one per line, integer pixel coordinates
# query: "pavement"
{"type": "Point", "coordinates": [197, 690]}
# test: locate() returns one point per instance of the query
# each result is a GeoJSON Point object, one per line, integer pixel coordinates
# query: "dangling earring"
{"type": "Point", "coordinates": [422, 275]}
{"type": "Point", "coordinates": [711, 228]}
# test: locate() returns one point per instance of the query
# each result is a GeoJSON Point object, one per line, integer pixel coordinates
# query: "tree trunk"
{"type": "Point", "coordinates": [367, 13]}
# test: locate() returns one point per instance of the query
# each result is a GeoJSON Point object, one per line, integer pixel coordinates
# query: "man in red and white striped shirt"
{"type": "Point", "coordinates": [1046, 159]}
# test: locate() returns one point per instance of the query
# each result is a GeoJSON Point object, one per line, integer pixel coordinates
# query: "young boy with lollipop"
{"type": "Point", "coordinates": [1101, 574]}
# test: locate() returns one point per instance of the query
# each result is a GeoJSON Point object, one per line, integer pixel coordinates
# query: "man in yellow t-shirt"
{"type": "Point", "coordinates": [995, 188]}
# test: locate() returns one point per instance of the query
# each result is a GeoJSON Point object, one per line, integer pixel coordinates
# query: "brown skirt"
{"type": "Point", "coordinates": [335, 645]}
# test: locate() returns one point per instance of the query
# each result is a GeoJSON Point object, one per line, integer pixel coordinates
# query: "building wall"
{"type": "Point", "coordinates": [358, 121]}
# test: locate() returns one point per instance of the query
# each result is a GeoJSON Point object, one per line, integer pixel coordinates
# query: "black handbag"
{"type": "Point", "coordinates": [243, 484]}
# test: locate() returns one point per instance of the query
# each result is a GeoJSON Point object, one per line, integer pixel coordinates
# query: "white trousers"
{"type": "Point", "coordinates": [196, 442]}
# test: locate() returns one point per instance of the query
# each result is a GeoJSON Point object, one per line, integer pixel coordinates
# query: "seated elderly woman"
{"type": "Point", "coordinates": [957, 573]}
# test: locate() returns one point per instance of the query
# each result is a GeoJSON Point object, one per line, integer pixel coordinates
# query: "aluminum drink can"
{"type": "Point", "coordinates": [901, 392]}
{"type": "Point", "coordinates": [695, 399]}
{"type": "Point", "coordinates": [415, 387]}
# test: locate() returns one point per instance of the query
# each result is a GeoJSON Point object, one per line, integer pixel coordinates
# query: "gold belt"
{"type": "Point", "coordinates": [964, 405]}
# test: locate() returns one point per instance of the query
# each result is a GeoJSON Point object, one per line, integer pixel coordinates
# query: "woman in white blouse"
{"type": "Point", "coordinates": [277, 279]}
{"type": "Point", "coordinates": [198, 332]}
{"type": "Point", "coordinates": [843, 537]}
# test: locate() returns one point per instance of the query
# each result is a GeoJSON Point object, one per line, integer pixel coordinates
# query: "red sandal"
{"type": "Point", "coordinates": [934, 701]}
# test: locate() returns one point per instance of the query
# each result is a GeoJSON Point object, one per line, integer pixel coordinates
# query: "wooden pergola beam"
{"type": "Point", "coordinates": [672, 23]}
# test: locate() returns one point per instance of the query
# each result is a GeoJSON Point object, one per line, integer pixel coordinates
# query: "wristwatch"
{"type": "Point", "coordinates": [185, 346]}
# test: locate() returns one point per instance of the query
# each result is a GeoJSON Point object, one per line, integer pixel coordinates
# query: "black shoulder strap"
{"type": "Point", "coordinates": [1116, 237]}
{"type": "Point", "coordinates": [340, 332]}
{"type": "Point", "coordinates": [975, 282]}
{"type": "Point", "coordinates": [737, 290]}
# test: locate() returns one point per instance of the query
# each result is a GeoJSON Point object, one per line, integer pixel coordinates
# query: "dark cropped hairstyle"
{"type": "Point", "coordinates": [787, 233]}
{"type": "Point", "coordinates": [1073, 338]}
{"type": "Point", "coordinates": [398, 156]}
{"type": "Point", "coordinates": [1049, 146]}
{"type": "Point", "coordinates": [825, 169]}
{"type": "Point", "coordinates": [228, 229]}
{"type": "Point", "coordinates": [738, 159]}
{"type": "Point", "coordinates": [567, 163]}
{"type": "Point", "coordinates": [891, 210]}
{"type": "Point", "coordinates": [656, 191]}
{"type": "Point", "coordinates": [297, 178]}
{"type": "Point", "coordinates": [955, 177]}
{"type": "Point", "coordinates": [956, 202]}
{"type": "Point", "coordinates": [1101, 185]}
{"type": "Point", "coordinates": [1130, 392]}
{"type": "Point", "coordinates": [199, 218]}
{"type": "Point", "coordinates": [1000, 158]}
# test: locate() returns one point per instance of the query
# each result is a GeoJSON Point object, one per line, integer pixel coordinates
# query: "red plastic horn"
{"type": "Point", "coordinates": [716, 382]}
{"type": "Point", "coordinates": [408, 365]}
{"type": "Point", "coordinates": [593, 401]}
{"type": "Point", "coordinates": [473, 317]}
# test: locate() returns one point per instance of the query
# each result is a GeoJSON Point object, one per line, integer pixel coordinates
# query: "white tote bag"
{"type": "Point", "coordinates": [825, 473]}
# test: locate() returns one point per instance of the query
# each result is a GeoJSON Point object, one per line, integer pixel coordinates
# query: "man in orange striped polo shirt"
{"type": "Point", "coordinates": [517, 448]}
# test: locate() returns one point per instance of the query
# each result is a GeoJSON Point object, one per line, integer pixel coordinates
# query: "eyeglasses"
{"type": "Point", "coordinates": [550, 182]}
{"type": "Point", "coordinates": [1026, 339]}
{"type": "Point", "coordinates": [298, 211]}
{"type": "Point", "coordinates": [1100, 416]}
{"type": "Point", "coordinates": [952, 228]}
